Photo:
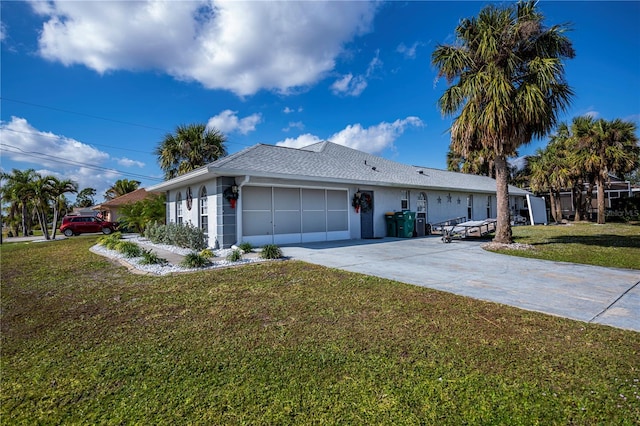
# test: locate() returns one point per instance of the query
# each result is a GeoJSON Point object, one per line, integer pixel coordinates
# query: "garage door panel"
{"type": "Point", "coordinates": [256, 198]}
{"type": "Point", "coordinates": [286, 222]}
{"type": "Point", "coordinates": [313, 199]}
{"type": "Point", "coordinates": [286, 198]}
{"type": "Point", "coordinates": [336, 200]}
{"type": "Point", "coordinates": [314, 221]}
{"type": "Point", "coordinates": [337, 221]}
{"type": "Point", "coordinates": [256, 223]}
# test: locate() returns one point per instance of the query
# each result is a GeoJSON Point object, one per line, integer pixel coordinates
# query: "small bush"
{"type": "Point", "coordinates": [186, 236]}
{"type": "Point", "coordinates": [271, 251]}
{"type": "Point", "coordinates": [110, 241]}
{"type": "Point", "coordinates": [129, 249]}
{"type": "Point", "coordinates": [207, 253]}
{"type": "Point", "coordinates": [151, 258]}
{"type": "Point", "coordinates": [194, 260]}
{"type": "Point", "coordinates": [246, 247]}
{"type": "Point", "coordinates": [234, 256]}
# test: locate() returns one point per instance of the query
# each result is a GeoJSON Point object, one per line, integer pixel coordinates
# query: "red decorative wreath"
{"type": "Point", "coordinates": [361, 201]}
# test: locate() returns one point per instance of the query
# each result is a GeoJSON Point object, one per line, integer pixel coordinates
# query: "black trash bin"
{"type": "Point", "coordinates": [392, 228]}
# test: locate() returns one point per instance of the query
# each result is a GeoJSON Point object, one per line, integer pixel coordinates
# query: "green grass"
{"type": "Point", "coordinates": [615, 245]}
{"type": "Point", "coordinates": [85, 342]}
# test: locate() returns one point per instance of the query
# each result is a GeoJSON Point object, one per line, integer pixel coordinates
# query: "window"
{"type": "Point", "coordinates": [421, 204]}
{"type": "Point", "coordinates": [179, 208]}
{"type": "Point", "coordinates": [404, 200]}
{"type": "Point", "coordinates": [203, 210]}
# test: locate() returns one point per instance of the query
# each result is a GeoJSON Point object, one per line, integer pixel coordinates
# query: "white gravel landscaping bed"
{"type": "Point", "coordinates": [219, 261]}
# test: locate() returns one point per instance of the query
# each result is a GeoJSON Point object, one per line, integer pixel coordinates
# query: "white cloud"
{"type": "Point", "coordinates": [350, 85]}
{"type": "Point", "coordinates": [127, 162]}
{"type": "Point", "coordinates": [55, 155]}
{"type": "Point", "coordinates": [294, 125]}
{"type": "Point", "coordinates": [27, 144]}
{"type": "Point", "coordinates": [228, 121]}
{"type": "Point", "coordinates": [238, 46]}
{"type": "Point", "coordinates": [409, 52]}
{"type": "Point", "coordinates": [592, 114]}
{"type": "Point", "coordinates": [299, 142]}
{"type": "Point", "coordinates": [372, 139]}
{"type": "Point", "coordinates": [288, 110]}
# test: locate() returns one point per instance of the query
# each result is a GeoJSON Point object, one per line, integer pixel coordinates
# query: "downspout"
{"type": "Point", "coordinates": [245, 181]}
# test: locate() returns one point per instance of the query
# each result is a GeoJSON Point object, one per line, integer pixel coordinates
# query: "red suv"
{"type": "Point", "coordinates": [75, 225]}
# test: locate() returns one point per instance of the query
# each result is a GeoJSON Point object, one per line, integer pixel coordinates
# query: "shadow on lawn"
{"type": "Point", "coordinates": [606, 240]}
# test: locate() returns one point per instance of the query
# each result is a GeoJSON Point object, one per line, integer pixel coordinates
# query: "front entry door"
{"type": "Point", "coordinates": [366, 218]}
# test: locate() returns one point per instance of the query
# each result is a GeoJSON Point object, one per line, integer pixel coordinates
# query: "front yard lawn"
{"type": "Point", "coordinates": [86, 342]}
{"type": "Point", "coordinates": [612, 244]}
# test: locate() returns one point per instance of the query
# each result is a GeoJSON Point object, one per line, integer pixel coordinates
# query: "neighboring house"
{"type": "Point", "coordinates": [110, 210]}
{"type": "Point", "coordinates": [82, 211]}
{"type": "Point", "coordinates": [616, 188]}
{"type": "Point", "coordinates": [287, 195]}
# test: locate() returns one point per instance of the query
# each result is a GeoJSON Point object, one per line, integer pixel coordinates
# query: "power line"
{"type": "Point", "coordinates": [100, 118]}
{"type": "Point", "coordinates": [58, 137]}
{"type": "Point", "coordinates": [83, 114]}
{"type": "Point", "coordinates": [49, 157]}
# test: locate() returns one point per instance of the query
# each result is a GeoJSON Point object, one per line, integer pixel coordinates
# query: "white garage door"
{"type": "Point", "coordinates": [292, 215]}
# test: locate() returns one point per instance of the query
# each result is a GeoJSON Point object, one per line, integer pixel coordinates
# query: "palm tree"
{"type": "Point", "coordinates": [120, 188]}
{"type": "Point", "coordinates": [58, 189]}
{"type": "Point", "coordinates": [85, 197]}
{"type": "Point", "coordinates": [18, 189]}
{"type": "Point", "coordinates": [506, 79]}
{"type": "Point", "coordinates": [552, 169]}
{"type": "Point", "coordinates": [41, 194]}
{"type": "Point", "coordinates": [603, 147]}
{"type": "Point", "coordinates": [192, 146]}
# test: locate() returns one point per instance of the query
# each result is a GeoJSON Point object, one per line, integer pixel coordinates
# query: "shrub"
{"type": "Point", "coordinates": [129, 249]}
{"type": "Point", "coordinates": [246, 247]}
{"type": "Point", "coordinates": [271, 251]}
{"type": "Point", "coordinates": [207, 253]}
{"type": "Point", "coordinates": [234, 256]}
{"type": "Point", "coordinates": [194, 260]}
{"type": "Point", "coordinates": [151, 258]}
{"type": "Point", "coordinates": [110, 241]}
{"type": "Point", "coordinates": [186, 236]}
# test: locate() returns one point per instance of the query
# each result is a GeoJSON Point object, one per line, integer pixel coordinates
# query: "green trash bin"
{"type": "Point", "coordinates": [405, 221]}
{"type": "Point", "coordinates": [392, 229]}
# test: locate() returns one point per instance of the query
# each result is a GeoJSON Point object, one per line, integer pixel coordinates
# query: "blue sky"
{"type": "Point", "coordinates": [89, 89]}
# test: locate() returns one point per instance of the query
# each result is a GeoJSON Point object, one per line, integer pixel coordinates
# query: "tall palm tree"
{"type": "Point", "coordinates": [603, 147]}
{"type": "Point", "coordinates": [191, 146]}
{"type": "Point", "coordinates": [58, 189]}
{"type": "Point", "coordinates": [40, 195]}
{"type": "Point", "coordinates": [120, 188]}
{"type": "Point", "coordinates": [506, 78]}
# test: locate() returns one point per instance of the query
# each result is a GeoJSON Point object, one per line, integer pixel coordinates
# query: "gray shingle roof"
{"type": "Point", "coordinates": [327, 161]}
{"type": "Point", "coordinates": [330, 162]}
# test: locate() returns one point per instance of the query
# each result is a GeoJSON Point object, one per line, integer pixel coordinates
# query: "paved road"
{"type": "Point", "coordinates": [587, 293]}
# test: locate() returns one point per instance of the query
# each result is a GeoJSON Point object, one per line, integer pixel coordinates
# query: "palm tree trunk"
{"type": "Point", "coordinates": [556, 196]}
{"type": "Point", "coordinates": [552, 207]}
{"type": "Point", "coordinates": [25, 232]}
{"type": "Point", "coordinates": [577, 201]}
{"type": "Point", "coordinates": [55, 221]}
{"type": "Point", "coordinates": [601, 204]}
{"type": "Point", "coordinates": [503, 227]}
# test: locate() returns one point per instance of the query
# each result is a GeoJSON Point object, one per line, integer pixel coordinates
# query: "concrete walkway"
{"type": "Point", "coordinates": [587, 293]}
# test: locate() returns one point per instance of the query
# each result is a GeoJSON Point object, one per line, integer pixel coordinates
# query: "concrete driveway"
{"type": "Point", "coordinates": [586, 293]}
